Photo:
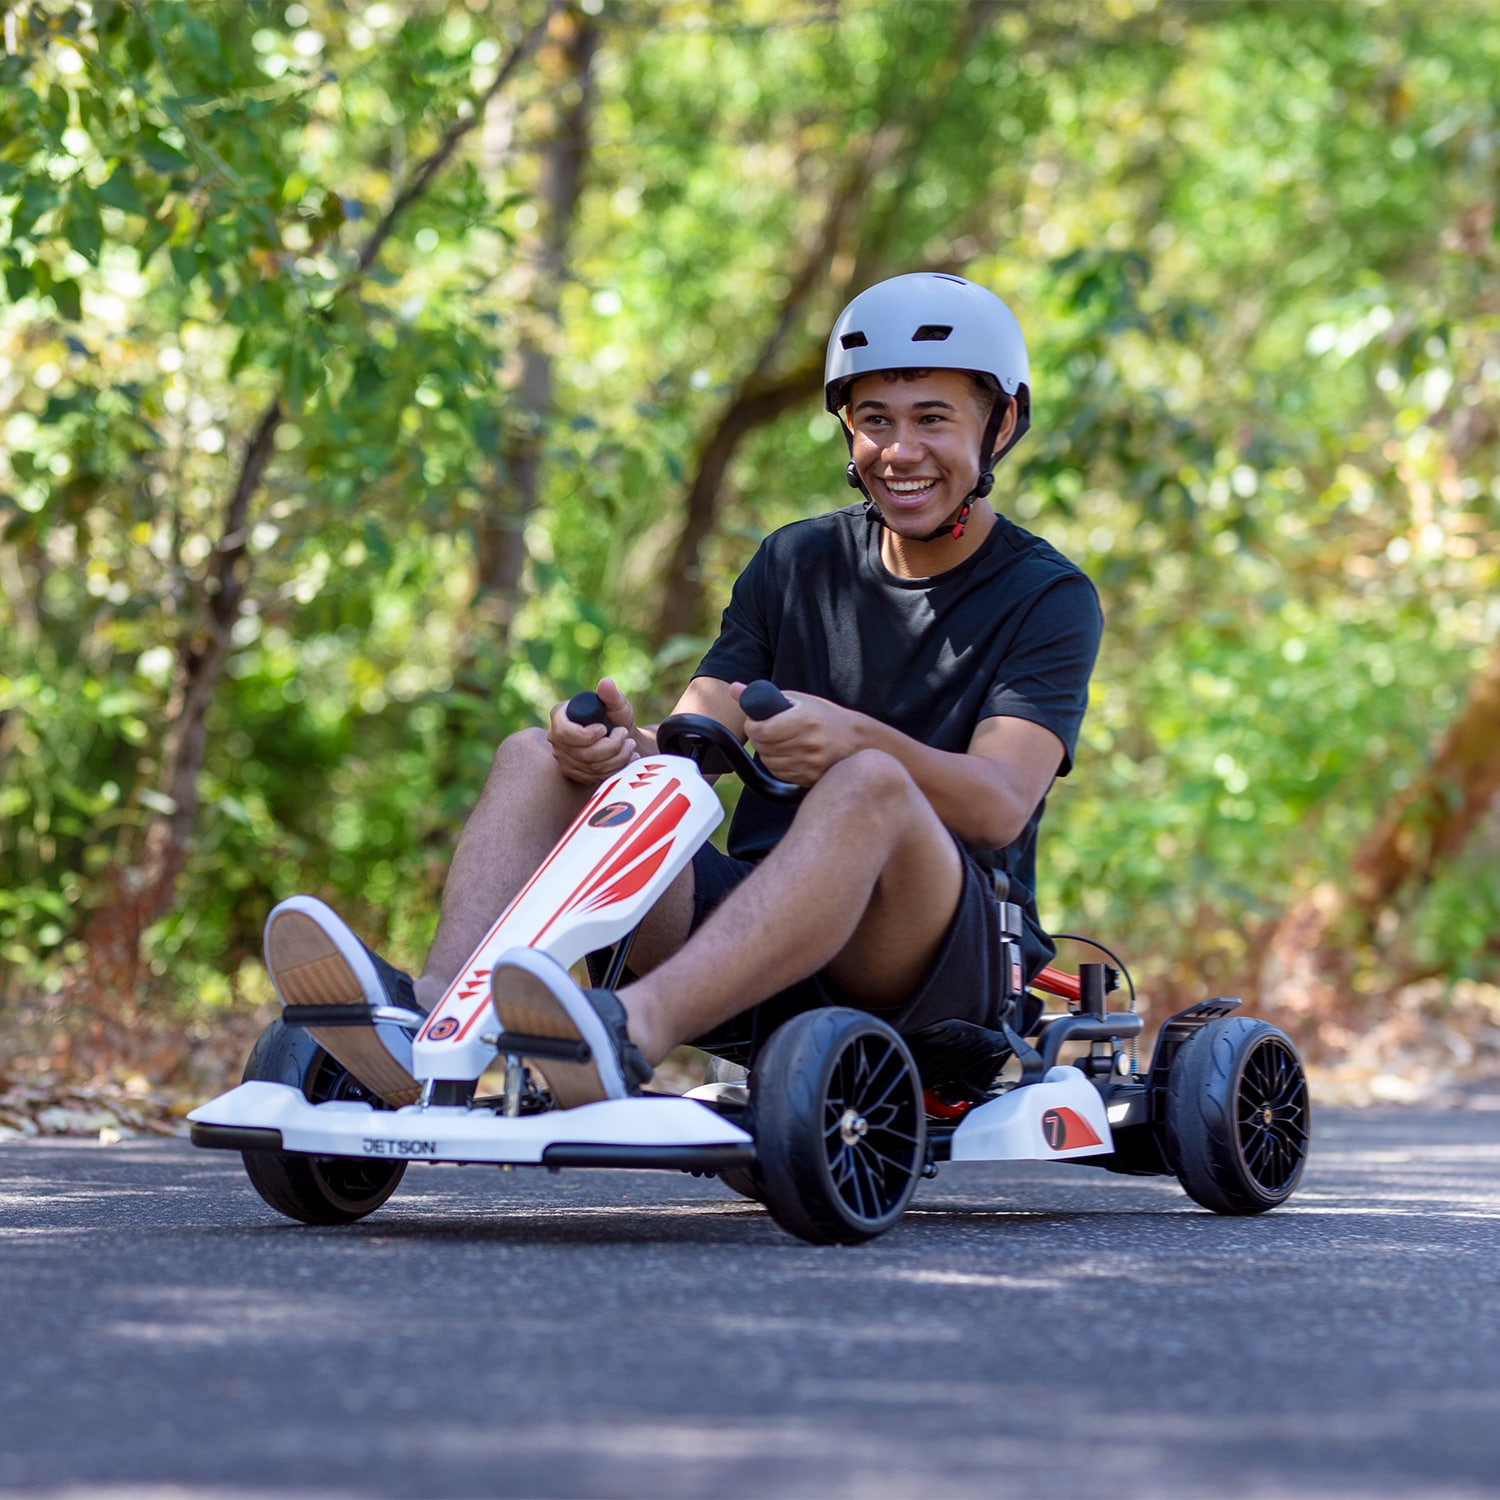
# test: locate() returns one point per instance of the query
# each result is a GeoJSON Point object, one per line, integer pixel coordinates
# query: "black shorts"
{"type": "Point", "coordinates": [964, 983]}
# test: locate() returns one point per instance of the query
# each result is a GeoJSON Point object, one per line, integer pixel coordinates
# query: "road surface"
{"type": "Point", "coordinates": [1036, 1330]}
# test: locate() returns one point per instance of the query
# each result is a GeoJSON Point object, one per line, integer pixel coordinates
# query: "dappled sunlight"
{"type": "Point", "coordinates": [375, 374]}
{"type": "Point", "coordinates": [601, 1332]}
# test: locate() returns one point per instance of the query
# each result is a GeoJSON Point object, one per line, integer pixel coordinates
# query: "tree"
{"type": "Point", "coordinates": [257, 461]}
{"type": "Point", "coordinates": [174, 109]}
{"type": "Point", "coordinates": [566, 63]}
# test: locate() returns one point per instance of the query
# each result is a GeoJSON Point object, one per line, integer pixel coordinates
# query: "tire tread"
{"type": "Point", "coordinates": [788, 1092]}
{"type": "Point", "coordinates": [1202, 1141]}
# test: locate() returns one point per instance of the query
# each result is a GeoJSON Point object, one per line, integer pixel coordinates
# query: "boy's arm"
{"type": "Point", "coordinates": [985, 794]}
{"type": "Point", "coordinates": [714, 700]}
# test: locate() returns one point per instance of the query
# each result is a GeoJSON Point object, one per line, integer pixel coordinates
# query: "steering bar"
{"type": "Point", "coordinates": [715, 749]}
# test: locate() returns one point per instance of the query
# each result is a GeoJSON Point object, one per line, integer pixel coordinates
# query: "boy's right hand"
{"type": "Point", "coordinates": [588, 753]}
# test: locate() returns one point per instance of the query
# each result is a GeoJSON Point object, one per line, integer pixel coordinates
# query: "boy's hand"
{"type": "Point", "coordinates": [589, 753]}
{"type": "Point", "coordinates": [802, 742]}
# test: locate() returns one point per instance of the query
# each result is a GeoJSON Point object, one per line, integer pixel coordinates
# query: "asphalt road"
{"type": "Point", "coordinates": [1041, 1331]}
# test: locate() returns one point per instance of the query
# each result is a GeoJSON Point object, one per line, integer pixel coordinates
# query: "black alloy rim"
{"type": "Point", "coordinates": [1273, 1116]}
{"type": "Point", "coordinates": [871, 1128]}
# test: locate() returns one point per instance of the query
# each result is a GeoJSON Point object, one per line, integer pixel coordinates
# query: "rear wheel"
{"type": "Point", "coordinates": [743, 1180]}
{"type": "Point", "coordinates": [1237, 1116]}
{"type": "Point", "coordinates": [840, 1133]}
{"type": "Point", "coordinates": [314, 1189]}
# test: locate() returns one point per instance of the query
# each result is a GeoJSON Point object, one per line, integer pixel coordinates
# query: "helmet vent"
{"type": "Point", "coordinates": [854, 341]}
{"type": "Point", "coordinates": [932, 333]}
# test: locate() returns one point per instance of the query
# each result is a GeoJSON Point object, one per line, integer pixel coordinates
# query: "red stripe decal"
{"type": "Point", "coordinates": [1065, 1129]}
{"type": "Point", "coordinates": [606, 862]}
{"type": "Point", "coordinates": [626, 833]}
{"type": "Point", "coordinates": [462, 989]}
{"type": "Point", "coordinates": [629, 883]}
{"type": "Point", "coordinates": [660, 821]}
{"type": "Point", "coordinates": [666, 820]}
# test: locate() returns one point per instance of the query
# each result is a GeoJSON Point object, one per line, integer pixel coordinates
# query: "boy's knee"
{"type": "Point", "coordinates": [526, 752]}
{"type": "Point", "coordinates": [865, 781]}
{"type": "Point", "coordinates": [874, 773]}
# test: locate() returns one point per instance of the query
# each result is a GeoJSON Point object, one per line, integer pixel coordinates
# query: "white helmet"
{"type": "Point", "coordinates": [930, 320]}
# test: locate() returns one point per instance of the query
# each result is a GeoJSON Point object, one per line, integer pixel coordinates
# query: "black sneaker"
{"type": "Point", "coordinates": [315, 961]}
{"type": "Point", "coordinates": [578, 1038]}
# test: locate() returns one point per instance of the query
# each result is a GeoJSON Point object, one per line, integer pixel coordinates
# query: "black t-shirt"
{"type": "Point", "coordinates": [1012, 631]}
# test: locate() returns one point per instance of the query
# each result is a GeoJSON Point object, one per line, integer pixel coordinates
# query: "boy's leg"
{"type": "Point", "coordinates": [315, 959]}
{"type": "Point", "coordinates": [527, 804]}
{"type": "Point", "coordinates": [864, 886]}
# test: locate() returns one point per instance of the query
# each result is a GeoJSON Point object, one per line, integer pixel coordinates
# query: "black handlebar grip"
{"type": "Point", "coordinates": [764, 700]}
{"type": "Point", "coordinates": [588, 708]}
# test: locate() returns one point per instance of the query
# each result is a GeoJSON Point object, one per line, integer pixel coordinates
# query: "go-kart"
{"type": "Point", "coordinates": [837, 1120]}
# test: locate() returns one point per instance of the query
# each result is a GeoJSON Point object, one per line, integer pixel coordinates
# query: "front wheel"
{"type": "Point", "coordinates": [1237, 1116]}
{"type": "Point", "coordinates": [840, 1132]}
{"type": "Point", "coordinates": [313, 1189]}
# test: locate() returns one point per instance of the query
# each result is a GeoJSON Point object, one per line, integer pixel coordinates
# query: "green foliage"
{"type": "Point", "coordinates": [1253, 247]}
{"type": "Point", "coordinates": [67, 731]}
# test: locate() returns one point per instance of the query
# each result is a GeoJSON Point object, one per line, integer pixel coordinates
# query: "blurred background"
{"type": "Point", "coordinates": [374, 375]}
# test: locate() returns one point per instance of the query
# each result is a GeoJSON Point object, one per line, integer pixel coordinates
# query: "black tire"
{"type": "Point", "coordinates": [314, 1189]}
{"type": "Point", "coordinates": [1238, 1118]}
{"type": "Point", "coordinates": [840, 1132]}
{"type": "Point", "coordinates": [745, 1182]}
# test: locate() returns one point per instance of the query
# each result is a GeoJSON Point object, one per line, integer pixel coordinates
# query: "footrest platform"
{"type": "Point", "coordinates": [646, 1132]}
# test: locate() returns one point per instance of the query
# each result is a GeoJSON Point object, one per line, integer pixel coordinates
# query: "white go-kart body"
{"type": "Point", "coordinates": [638, 832]}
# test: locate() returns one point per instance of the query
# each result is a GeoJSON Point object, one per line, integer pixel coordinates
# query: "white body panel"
{"type": "Point", "coordinates": [638, 832]}
{"type": "Point", "coordinates": [456, 1134]}
{"type": "Point", "coordinates": [1023, 1124]}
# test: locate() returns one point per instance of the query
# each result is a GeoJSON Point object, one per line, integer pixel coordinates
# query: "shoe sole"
{"type": "Point", "coordinates": [531, 999]}
{"type": "Point", "coordinates": [309, 967]}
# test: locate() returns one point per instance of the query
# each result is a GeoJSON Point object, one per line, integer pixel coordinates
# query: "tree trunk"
{"type": "Point", "coordinates": [849, 237]}
{"type": "Point", "coordinates": [1433, 819]}
{"type": "Point", "coordinates": [135, 896]}
{"type": "Point", "coordinates": [567, 62]}
{"type": "Point", "coordinates": [683, 596]}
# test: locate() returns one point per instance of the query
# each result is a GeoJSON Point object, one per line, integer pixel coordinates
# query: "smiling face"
{"type": "Point", "coordinates": [916, 444]}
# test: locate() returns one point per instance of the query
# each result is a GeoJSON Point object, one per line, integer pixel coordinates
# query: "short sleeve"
{"type": "Point", "coordinates": [1044, 677]}
{"type": "Point", "coordinates": [743, 650]}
